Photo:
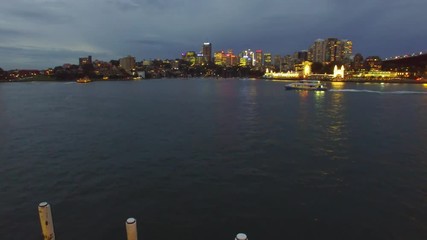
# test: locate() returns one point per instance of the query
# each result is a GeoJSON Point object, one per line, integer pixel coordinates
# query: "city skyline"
{"type": "Point", "coordinates": [46, 33]}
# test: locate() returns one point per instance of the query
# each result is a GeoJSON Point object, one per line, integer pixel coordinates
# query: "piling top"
{"type": "Point", "coordinates": [43, 204]}
{"type": "Point", "coordinates": [131, 221]}
{"type": "Point", "coordinates": [241, 236]}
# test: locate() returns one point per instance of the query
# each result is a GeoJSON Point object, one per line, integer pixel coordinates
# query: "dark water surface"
{"type": "Point", "coordinates": [207, 159]}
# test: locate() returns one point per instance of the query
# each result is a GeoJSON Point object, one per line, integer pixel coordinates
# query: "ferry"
{"type": "Point", "coordinates": [84, 80]}
{"type": "Point", "coordinates": [309, 85]}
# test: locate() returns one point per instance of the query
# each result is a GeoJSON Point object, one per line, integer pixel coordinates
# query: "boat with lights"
{"type": "Point", "coordinates": [84, 80]}
{"type": "Point", "coordinates": [310, 85]}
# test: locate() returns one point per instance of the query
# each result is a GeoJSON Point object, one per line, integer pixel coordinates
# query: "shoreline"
{"type": "Point", "coordinates": [383, 81]}
{"type": "Point", "coordinates": [403, 81]}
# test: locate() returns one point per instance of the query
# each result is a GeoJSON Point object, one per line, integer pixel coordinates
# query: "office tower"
{"type": "Point", "coordinates": [258, 58]}
{"type": "Point", "coordinates": [190, 57]}
{"type": "Point", "coordinates": [330, 50]}
{"type": "Point", "coordinates": [347, 50]}
{"type": "Point", "coordinates": [247, 58]}
{"type": "Point", "coordinates": [267, 59]}
{"type": "Point", "coordinates": [207, 52]}
{"type": "Point", "coordinates": [219, 58]}
{"type": "Point", "coordinates": [232, 59]}
{"type": "Point", "coordinates": [316, 51]}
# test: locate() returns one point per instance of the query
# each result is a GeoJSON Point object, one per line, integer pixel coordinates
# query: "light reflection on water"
{"type": "Point", "coordinates": [248, 113]}
{"type": "Point", "coordinates": [336, 132]}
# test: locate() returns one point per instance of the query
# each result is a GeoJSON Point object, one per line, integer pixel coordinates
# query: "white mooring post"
{"type": "Point", "coordinates": [241, 236]}
{"type": "Point", "coordinates": [46, 221]}
{"type": "Point", "coordinates": [131, 231]}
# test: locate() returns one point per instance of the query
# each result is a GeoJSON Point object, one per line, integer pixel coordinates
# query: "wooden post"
{"type": "Point", "coordinates": [131, 231]}
{"type": "Point", "coordinates": [241, 236]}
{"type": "Point", "coordinates": [46, 221]}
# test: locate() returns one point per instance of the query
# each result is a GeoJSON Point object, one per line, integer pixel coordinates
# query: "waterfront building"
{"type": "Point", "coordinates": [127, 63]}
{"type": "Point", "coordinates": [338, 72]}
{"type": "Point", "coordinates": [377, 74]}
{"type": "Point", "coordinates": [269, 74]}
{"type": "Point", "coordinates": [373, 63]}
{"type": "Point", "coordinates": [303, 69]}
{"type": "Point", "coordinates": [207, 52]}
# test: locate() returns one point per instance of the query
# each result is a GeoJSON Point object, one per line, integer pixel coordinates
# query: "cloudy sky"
{"type": "Point", "coordinates": [48, 33]}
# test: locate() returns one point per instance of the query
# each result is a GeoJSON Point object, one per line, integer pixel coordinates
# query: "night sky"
{"type": "Point", "coordinates": [48, 33]}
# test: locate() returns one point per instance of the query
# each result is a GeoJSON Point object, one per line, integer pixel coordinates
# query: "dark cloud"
{"type": "Point", "coordinates": [136, 4]}
{"type": "Point", "coordinates": [7, 34]}
{"type": "Point", "coordinates": [44, 17]}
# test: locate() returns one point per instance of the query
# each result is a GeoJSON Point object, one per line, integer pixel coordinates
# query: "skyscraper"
{"type": "Point", "coordinates": [247, 58]}
{"type": "Point", "coordinates": [220, 59]}
{"type": "Point", "coordinates": [258, 58]}
{"type": "Point", "coordinates": [207, 52]}
{"type": "Point", "coordinates": [190, 57]}
{"type": "Point", "coordinates": [330, 50]}
{"type": "Point", "coordinates": [267, 59]}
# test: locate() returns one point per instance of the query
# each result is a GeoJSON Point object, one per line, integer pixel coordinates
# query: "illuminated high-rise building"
{"type": "Point", "coordinates": [228, 59]}
{"type": "Point", "coordinates": [200, 59]}
{"type": "Point", "coordinates": [231, 59]}
{"type": "Point", "coordinates": [190, 57]}
{"type": "Point", "coordinates": [207, 52]}
{"type": "Point", "coordinates": [258, 58]}
{"type": "Point", "coordinates": [219, 58]}
{"type": "Point", "coordinates": [316, 52]}
{"type": "Point", "coordinates": [330, 50]}
{"type": "Point", "coordinates": [247, 57]}
{"type": "Point", "coordinates": [347, 49]}
{"type": "Point", "coordinates": [267, 59]}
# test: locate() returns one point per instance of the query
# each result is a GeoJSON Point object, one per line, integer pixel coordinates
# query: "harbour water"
{"type": "Point", "coordinates": [209, 158]}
